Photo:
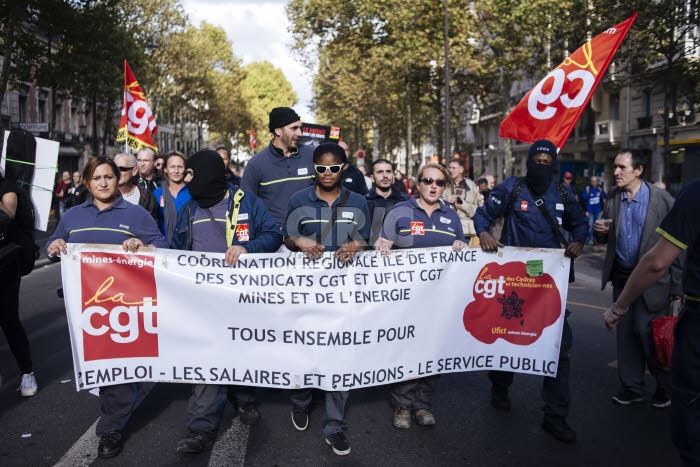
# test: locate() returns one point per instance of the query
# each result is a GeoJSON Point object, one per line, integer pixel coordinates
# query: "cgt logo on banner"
{"type": "Point", "coordinates": [511, 303]}
{"type": "Point", "coordinates": [119, 301]}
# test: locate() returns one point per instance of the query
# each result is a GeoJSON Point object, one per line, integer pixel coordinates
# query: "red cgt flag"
{"type": "Point", "coordinates": [252, 140]}
{"type": "Point", "coordinates": [551, 109]}
{"type": "Point", "coordinates": [137, 125]}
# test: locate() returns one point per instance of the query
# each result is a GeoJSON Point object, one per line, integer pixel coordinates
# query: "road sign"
{"type": "Point", "coordinates": [35, 127]}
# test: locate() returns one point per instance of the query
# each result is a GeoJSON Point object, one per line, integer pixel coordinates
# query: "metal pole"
{"type": "Point", "coordinates": [447, 85]}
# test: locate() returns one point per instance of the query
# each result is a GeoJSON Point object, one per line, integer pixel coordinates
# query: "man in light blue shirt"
{"type": "Point", "coordinates": [633, 211]}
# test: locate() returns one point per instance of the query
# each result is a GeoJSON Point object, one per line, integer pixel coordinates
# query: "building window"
{"type": "Point", "coordinates": [42, 111]}
{"type": "Point", "coordinates": [58, 124]}
{"type": "Point", "coordinates": [614, 106]}
{"type": "Point", "coordinates": [22, 109]}
{"type": "Point", "coordinates": [646, 103]}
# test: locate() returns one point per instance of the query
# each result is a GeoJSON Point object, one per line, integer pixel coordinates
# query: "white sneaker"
{"type": "Point", "coordinates": [28, 387]}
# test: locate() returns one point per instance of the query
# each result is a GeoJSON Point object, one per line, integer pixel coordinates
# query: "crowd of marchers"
{"type": "Point", "coordinates": [293, 197]}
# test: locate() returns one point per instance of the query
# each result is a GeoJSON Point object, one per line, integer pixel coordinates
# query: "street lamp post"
{"type": "Point", "coordinates": [446, 150]}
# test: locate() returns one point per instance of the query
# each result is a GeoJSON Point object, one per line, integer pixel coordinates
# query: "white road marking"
{"type": "Point", "coordinates": [83, 452]}
{"type": "Point", "coordinates": [230, 446]}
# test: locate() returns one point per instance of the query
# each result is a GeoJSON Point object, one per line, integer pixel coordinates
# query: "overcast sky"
{"type": "Point", "coordinates": [259, 31]}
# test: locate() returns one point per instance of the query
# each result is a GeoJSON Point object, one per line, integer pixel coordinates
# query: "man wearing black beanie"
{"type": "Point", "coordinates": [282, 168]}
{"type": "Point", "coordinates": [534, 211]}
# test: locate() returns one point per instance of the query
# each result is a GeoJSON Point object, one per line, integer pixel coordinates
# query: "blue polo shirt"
{"type": "Point", "coordinates": [409, 226]}
{"type": "Point", "coordinates": [682, 228]}
{"type": "Point", "coordinates": [307, 215]}
{"type": "Point", "coordinates": [594, 199]}
{"type": "Point", "coordinates": [274, 178]}
{"type": "Point", "coordinates": [182, 197]}
{"type": "Point", "coordinates": [633, 214]}
{"type": "Point", "coordinates": [121, 221]}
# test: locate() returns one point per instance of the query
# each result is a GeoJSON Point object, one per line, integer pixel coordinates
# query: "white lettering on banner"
{"type": "Point", "coordinates": [132, 323]}
{"type": "Point", "coordinates": [558, 79]}
{"type": "Point", "coordinates": [288, 321]}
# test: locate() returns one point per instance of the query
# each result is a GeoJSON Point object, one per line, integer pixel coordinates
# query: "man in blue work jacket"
{"type": "Point", "coordinates": [522, 202]}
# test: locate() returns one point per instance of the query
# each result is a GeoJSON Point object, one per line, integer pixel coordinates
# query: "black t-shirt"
{"type": "Point", "coordinates": [682, 228]}
{"type": "Point", "coordinates": [7, 231]}
{"type": "Point", "coordinates": [7, 186]}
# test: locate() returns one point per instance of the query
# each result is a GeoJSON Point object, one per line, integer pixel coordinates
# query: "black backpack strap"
{"type": "Point", "coordinates": [515, 192]}
{"type": "Point", "coordinates": [539, 202]}
{"type": "Point", "coordinates": [215, 224]}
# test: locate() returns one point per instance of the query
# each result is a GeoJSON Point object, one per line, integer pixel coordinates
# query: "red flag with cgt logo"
{"type": "Point", "coordinates": [551, 109]}
{"type": "Point", "coordinates": [137, 125]}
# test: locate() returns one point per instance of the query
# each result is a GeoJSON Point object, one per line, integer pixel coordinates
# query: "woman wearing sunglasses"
{"type": "Point", "coordinates": [326, 217]}
{"type": "Point", "coordinates": [422, 221]}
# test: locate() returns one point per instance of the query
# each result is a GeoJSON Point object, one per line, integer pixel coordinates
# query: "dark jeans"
{"type": "Point", "coordinates": [685, 386]}
{"type": "Point", "coordinates": [117, 403]}
{"type": "Point", "coordinates": [240, 396]}
{"type": "Point", "coordinates": [11, 325]}
{"type": "Point", "coordinates": [555, 391]}
{"type": "Point", "coordinates": [334, 416]}
{"type": "Point", "coordinates": [205, 407]}
{"type": "Point", "coordinates": [414, 394]}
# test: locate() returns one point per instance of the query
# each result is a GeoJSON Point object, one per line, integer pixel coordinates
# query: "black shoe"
{"type": "Point", "coordinates": [500, 400]}
{"type": "Point", "coordinates": [660, 399]}
{"type": "Point", "coordinates": [339, 444]}
{"type": "Point", "coordinates": [300, 418]}
{"type": "Point", "coordinates": [110, 445]}
{"type": "Point", "coordinates": [249, 414]}
{"type": "Point", "coordinates": [557, 427]}
{"type": "Point", "coordinates": [628, 398]}
{"type": "Point", "coordinates": [195, 442]}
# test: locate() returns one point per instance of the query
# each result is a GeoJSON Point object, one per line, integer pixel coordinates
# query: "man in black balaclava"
{"type": "Point", "coordinates": [525, 225]}
{"type": "Point", "coordinates": [208, 186]}
{"type": "Point", "coordinates": [220, 218]}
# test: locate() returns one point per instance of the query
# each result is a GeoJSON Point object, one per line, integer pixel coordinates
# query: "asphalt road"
{"type": "Point", "coordinates": [57, 425]}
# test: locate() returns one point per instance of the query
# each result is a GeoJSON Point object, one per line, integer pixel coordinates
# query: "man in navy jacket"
{"type": "Point", "coordinates": [525, 225]}
{"type": "Point", "coordinates": [225, 219]}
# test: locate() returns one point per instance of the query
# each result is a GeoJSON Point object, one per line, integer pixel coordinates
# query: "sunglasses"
{"type": "Point", "coordinates": [429, 181]}
{"type": "Point", "coordinates": [125, 169]}
{"type": "Point", "coordinates": [321, 169]}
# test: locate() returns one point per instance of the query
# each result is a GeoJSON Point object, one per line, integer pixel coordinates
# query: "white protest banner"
{"type": "Point", "coordinates": [44, 175]}
{"type": "Point", "coordinates": [286, 321]}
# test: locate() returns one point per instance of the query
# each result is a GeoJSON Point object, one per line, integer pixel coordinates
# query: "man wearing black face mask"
{"type": "Point", "coordinates": [221, 218]}
{"type": "Point", "coordinates": [526, 225]}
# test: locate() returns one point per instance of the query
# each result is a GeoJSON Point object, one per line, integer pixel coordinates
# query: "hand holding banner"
{"type": "Point", "coordinates": [552, 108]}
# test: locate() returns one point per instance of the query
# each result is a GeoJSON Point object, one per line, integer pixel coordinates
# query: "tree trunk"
{"type": "Point", "coordinates": [409, 128]}
{"type": "Point", "coordinates": [95, 139]}
{"type": "Point", "coordinates": [508, 152]}
{"type": "Point", "coordinates": [108, 124]}
{"type": "Point", "coordinates": [668, 83]}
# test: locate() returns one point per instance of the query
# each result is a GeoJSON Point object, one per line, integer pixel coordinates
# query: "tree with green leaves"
{"type": "Point", "coordinates": [265, 87]}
